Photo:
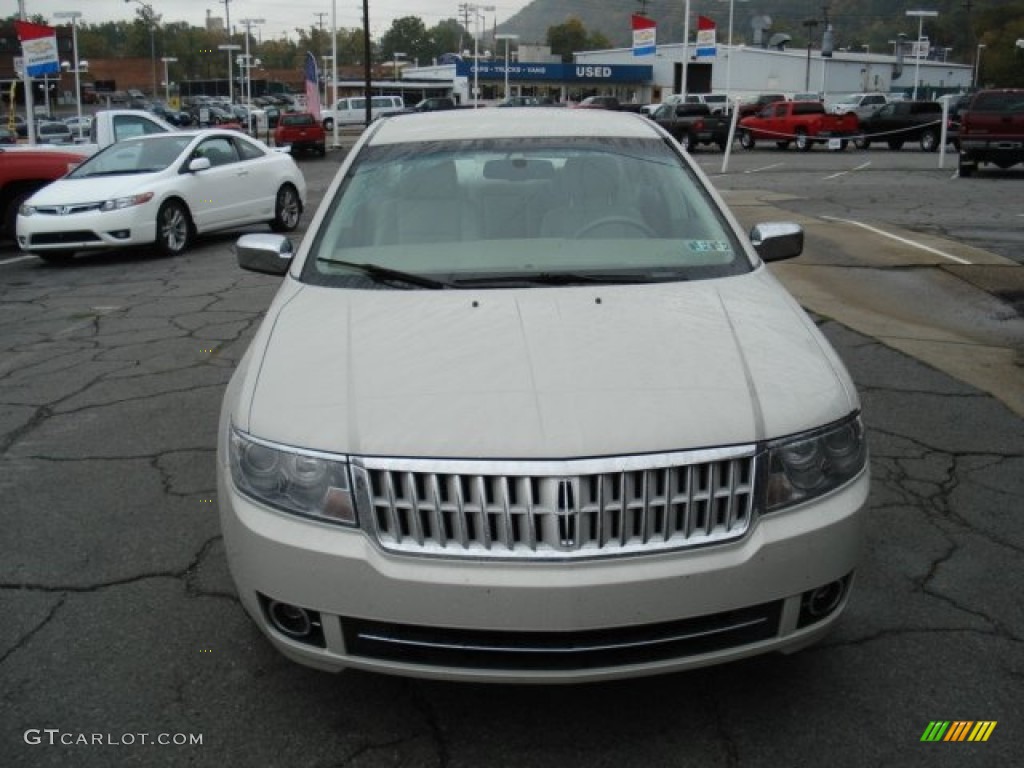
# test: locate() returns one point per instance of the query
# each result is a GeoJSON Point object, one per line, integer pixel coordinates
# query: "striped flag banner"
{"type": "Point", "coordinates": [39, 48]}
{"type": "Point", "coordinates": [645, 32]}
{"type": "Point", "coordinates": [706, 47]}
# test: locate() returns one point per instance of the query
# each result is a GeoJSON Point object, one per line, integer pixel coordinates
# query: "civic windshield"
{"type": "Point", "coordinates": [134, 156]}
{"type": "Point", "coordinates": [529, 212]}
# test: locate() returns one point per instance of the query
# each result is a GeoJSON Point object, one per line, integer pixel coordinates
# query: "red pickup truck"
{"type": "Point", "coordinates": [301, 131]}
{"type": "Point", "coordinates": [25, 170]}
{"type": "Point", "coordinates": [802, 123]}
{"type": "Point", "coordinates": [992, 130]}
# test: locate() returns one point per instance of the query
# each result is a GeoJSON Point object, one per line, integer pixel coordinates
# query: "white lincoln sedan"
{"type": "Point", "coordinates": [529, 406]}
{"type": "Point", "coordinates": [163, 189]}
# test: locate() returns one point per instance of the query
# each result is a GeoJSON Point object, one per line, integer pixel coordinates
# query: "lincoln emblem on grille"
{"type": "Point", "coordinates": [567, 514]}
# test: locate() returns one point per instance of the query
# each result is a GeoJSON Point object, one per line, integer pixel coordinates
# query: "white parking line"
{"type": "Point", "coordinates": [862, 166]}
{"type": "Point", "coordinates": [764, 168]}
{"type": "Point", "coordinates": [897, 238]}
{"type": "Point", "coordinates": [835, 175]}
{"type": "Point", "coordinates": [16, 258]}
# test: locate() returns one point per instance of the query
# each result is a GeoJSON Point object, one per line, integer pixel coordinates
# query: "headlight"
{"type": "Point", "coordinates": [26, 210]}
{"type": "Point", "coordinates": [126, 202]}
{"type": "Point", "coordinates": [808, 465]}
{"type": "Point", "coordinates": [293, 480]}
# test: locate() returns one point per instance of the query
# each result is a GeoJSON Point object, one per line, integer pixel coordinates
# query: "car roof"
{"type": "Point", "coordinates": [488, 123]}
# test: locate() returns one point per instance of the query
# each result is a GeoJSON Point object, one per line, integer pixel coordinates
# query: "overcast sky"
{"type": "Point", "coordinates": [281, 16]}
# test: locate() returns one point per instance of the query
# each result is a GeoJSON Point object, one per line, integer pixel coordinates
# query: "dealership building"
{"type": "Point", "coordinates": [741, 71]}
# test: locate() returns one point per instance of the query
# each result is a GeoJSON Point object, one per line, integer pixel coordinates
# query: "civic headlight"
{"type": "Point", "coordinates": [803, 466]}
{"type": "Point", "coordinates": [26, 210]}
{"type": "Point", "coordinates": [302, 482]}
{"type": "Point", "coordinates": [126, 202]}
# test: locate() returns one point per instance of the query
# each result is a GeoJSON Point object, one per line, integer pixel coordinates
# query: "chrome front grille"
{"type": "Point", "coordinates": [555, 510]}
{"type": "Point", "coordinates": [67, 210]}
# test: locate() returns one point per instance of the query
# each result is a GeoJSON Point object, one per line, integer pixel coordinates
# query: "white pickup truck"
{"type": "Point", "coordinates": [352, 110]}
{"type": "Point", "coordinates": [109, 126]}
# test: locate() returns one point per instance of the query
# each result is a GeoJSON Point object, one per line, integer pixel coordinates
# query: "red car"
{"type": "Point", "coordinates": [301, 131]}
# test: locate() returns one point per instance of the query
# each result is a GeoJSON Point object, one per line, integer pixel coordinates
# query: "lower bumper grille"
{"type": "Point", "coordinates": [63, 238]}
{"type": "Point", "coordinates": [561, 651]}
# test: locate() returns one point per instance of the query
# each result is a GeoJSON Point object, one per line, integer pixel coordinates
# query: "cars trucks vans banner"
{"type": "Point", "coordinates": [645, 33]}
{"type": "Point", "coordinates": [705, 37]}
{"type": "Point", "coordinates": [39, 48]}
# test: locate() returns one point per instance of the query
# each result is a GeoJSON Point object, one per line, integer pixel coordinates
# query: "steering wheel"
{"type": "Point", "coordinates": [607, 220]}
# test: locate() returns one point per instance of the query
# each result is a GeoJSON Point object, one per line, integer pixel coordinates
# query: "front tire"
{"type": "Point", "coordinates": [746, 140]}
{"type": "Point", "coordinates": [686, 141]}
{"type": "Point", "coordinates": [287, 209]}
{"type": "Point", "coordinates": [173, 228]}
{"type": "Point", "coordinates": [328, 124]}
{"type": "Point", "coordinates": [929, 141]}
{"type": "Point", "coordinates": [802, 140]}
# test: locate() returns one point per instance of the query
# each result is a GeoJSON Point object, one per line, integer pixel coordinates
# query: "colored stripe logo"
{"type": "Point", "coordinates": [958, 730]}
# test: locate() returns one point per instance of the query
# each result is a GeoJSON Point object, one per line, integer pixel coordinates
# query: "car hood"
{"type": "Point", "coordinates": [68, 191]}
{"type": "Point", "coordinates": [541, 373]}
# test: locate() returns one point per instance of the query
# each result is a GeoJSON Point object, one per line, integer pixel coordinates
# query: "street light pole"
{"type": "Point", "coordinates": [167, 79]}
{"type": "Point", "coordinates": [249, 23]}
{"type": "Point", "coordinates": [811, 25]}
{"type": "Point", "coordinates": [476, 9]}
{"type": "Point", "coordinates": [507, 38]}
{"type": "Point", "coordinates": [75, 16]}
{"type": "Point", "coordinates": [230, 48]}
{"type": "Point", "coordinates": [920, 30]}
{"type": "Point", "coordinates": [977, 66]}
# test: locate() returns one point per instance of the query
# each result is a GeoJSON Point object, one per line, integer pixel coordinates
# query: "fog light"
{"type": "Point", "coordinates": [121, 234]}
{"type": "Point", "coordinates": [818, 603]}
{"type": "Point", "coordinates": [294, 622]}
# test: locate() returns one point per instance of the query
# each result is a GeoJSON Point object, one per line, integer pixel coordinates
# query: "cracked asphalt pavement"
{"type": "Point", "coordinates": [121, 620]}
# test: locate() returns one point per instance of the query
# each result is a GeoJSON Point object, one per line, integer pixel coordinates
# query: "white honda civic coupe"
{"type": "Point", "coordinates": [529, 406]}
{"type": "Point", "coordinates": [164, 189]}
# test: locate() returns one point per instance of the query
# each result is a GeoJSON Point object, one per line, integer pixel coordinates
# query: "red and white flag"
{"type": "Point", "coordinates": [705, 37]}
{"type": "Point", "coordinates": [39, 48]}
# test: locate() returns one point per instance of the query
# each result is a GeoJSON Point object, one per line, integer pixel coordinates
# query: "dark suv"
{"type": "Point", "coordinates": [898, 122]}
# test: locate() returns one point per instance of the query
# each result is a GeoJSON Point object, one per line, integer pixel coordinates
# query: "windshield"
{"type": "Point", "coordinates": [523, 210]}
{"type": "Point", "coordinates": [134, 156]}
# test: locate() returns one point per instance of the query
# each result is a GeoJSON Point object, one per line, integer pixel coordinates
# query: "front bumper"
{"type": "Point", "coordinates": [88, 230]}
{"type": "Point", "coordinates": [542, 622]}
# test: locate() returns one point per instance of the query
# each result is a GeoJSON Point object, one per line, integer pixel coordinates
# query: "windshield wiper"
{"type": "Point", "coordinates": [384, 274]}
{"type": "Point", "coordinates": [554, 278]}
{"type": "Point", "coordinates": [121, 172]}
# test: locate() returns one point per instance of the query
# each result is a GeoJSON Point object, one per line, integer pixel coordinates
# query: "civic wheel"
{"type": "Point", "coordinates": [287, 209]}
{"type": "Point", "coordinates": [173, 228]}
{"type": "Point", "coordinates": [802, 140]}
{"type": "Point", "coordinates": [929, 141]}
{"type": "Point", "coordinates": [746, 140]}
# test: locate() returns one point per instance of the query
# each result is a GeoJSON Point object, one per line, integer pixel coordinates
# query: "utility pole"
{"type": "Point", "coordinates": [464, 13]}
{"type": "Point", "coordinates": [227, 17]}
{"type": "Point", "coordinates": [320, 16]}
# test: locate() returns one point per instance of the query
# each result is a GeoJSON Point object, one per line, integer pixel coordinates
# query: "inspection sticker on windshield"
{"type": "Point", "coordinates": [709, 246]}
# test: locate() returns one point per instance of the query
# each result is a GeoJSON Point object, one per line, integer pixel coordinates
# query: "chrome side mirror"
{"type": "Point", "coordinates": [777, 240]}
{"type": "Point", "coordinates": [269, 254]}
